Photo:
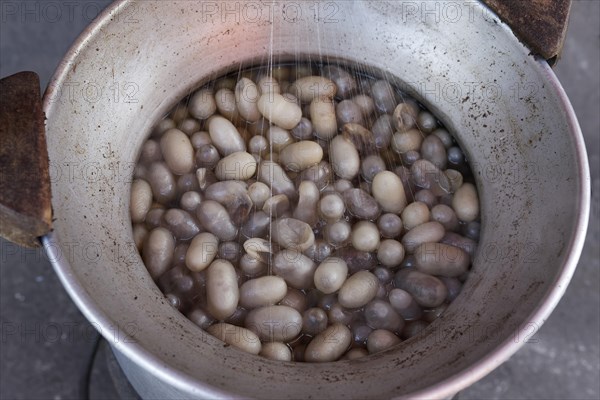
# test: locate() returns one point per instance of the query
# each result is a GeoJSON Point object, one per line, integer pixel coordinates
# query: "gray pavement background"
{"type": "Point", "coordinates": [45, 342]}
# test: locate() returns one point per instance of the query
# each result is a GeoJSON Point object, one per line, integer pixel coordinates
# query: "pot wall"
{"type": "Point", "coordinates": [506, 109]}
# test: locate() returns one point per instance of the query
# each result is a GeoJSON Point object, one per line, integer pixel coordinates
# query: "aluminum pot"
{"type": "Point", "coordinates": [505, 107]}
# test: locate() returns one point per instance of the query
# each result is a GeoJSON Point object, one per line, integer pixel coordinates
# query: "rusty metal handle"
{"type": "Point", "coordinates": [540, 24]}
{"type": "Point", "coordinates": [25, 200]}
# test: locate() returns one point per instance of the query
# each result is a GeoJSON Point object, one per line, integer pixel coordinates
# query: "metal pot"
{"type": "Point", "coordinates": [506, 108]}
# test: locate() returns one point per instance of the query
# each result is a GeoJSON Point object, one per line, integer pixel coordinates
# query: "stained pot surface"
{"type": "Point", "coordinates": [506, 109]}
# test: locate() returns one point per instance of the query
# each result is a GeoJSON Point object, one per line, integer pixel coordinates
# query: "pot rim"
{"type": "Point", "coordinates": [443, 389]}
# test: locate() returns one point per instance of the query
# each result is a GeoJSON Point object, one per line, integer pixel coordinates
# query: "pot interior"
{"type": "Point", "coordinates": [501, 104]}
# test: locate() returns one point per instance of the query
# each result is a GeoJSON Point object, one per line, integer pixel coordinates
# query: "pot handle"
{"type": "Point", "coordinates": [25, 201]}
{"type": "Point", "coordinates": [540, 24]}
